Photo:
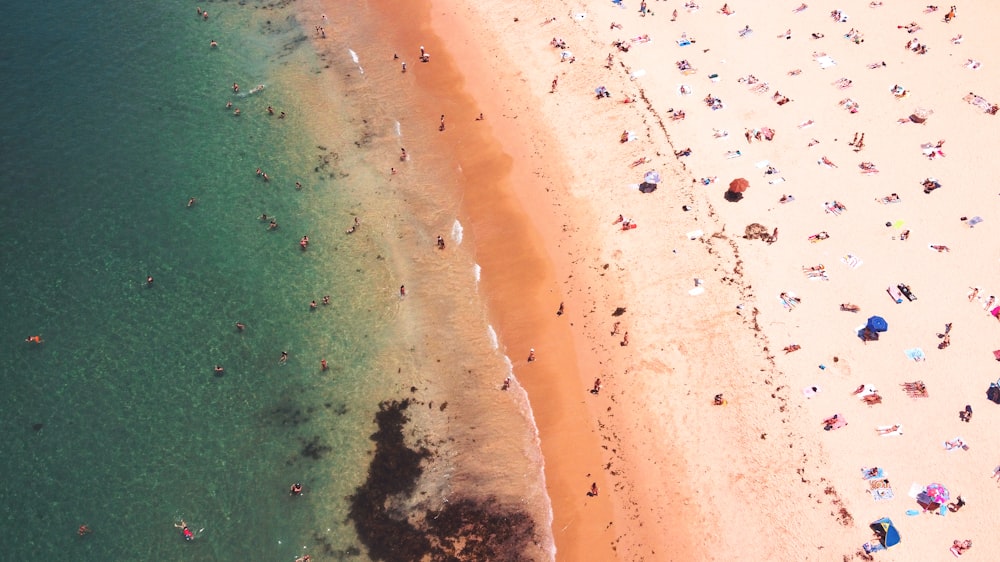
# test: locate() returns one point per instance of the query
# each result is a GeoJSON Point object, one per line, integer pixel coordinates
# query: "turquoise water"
{"type": "Point", "coordinates": [115, 117]}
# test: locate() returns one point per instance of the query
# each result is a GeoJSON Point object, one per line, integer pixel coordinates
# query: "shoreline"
{"type": "Point", "coordinates": [665, 459]}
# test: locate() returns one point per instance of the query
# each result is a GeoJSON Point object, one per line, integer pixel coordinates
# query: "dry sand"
{"type": "Point", "coordinates": [758, 478]}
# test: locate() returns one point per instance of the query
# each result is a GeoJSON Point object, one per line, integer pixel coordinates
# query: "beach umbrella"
{"type": "Point", "coordinates": [877, 324]}
{"type": "Point", "coordinates": [647, 187]}
{"type": "Point", "coordinates": [937, 493]}
{"type": "Point", "coordinates": [738, 185]}
{"type": "Point", "coordinates": [887, 533]}
{"type": "Point", "coordinates": [652, 176]}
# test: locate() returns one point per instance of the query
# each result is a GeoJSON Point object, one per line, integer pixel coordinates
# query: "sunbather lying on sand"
{"type": "Point", "coordinates": [891, 198]}
{"type": "Point", "coordinates": [819, 236]}
{"type": "Point", "coordinates": [848, 307]}
{"type": "Point", "coordinates": [872, 399]}
{"type": "Point", "coordinates": [887, 430]}
{"type": "Point", "coordinates": [792, 347]}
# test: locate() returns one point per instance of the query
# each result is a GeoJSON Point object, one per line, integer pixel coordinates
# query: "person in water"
{"type": "Point", "coordinates": [295, 489]}
{"type": "Point", "coordinates": [33, 339]}
{"type": "Point", "coordinates": [219, 370]}
{"type": "Point", "coordinates": [185, 531]}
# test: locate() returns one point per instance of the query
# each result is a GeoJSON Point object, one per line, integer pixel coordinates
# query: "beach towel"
{"type": "Point", "coordinates": [763, 164]}
{"type": "Point", "coordinates": [879, 494]}
{"type": "Point", "coordinates": [696, 291]}
{"type": "Point", "coordinates": [956, 444]}
{"type": "Point", "coordinates": [852, 261]}
{"type": "Point", "coordinates": [773, 181]}
{"type": "Point", "coordinates": [915, 353]}
{"type": "Point", "coordinates": [810, 391]}
{"type": "Point", "coordinates": [866, 473]}
{"type": "Point", "coordinates": [683, 43]}
{"type": "Point", "coordinates": [694, 234]}
{"type": "Point", "coordinates": [826, 62]}
{"type": "Point", "coordinates": [915, 490]}
{"type": "Point", "coordinates": [898, 431]}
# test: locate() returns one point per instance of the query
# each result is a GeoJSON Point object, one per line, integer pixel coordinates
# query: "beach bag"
{"type": "Point", "coordinates": [993, 394]}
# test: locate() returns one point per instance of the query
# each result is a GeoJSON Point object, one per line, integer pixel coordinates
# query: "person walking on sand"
{"type": "Point", "coordinates": [625, 340]}
{"type": "Point", "coordinates": [555, 84]}
{"type": "Point", "coordinates": [531, 355]}
{"type": "Point", "coordinates": [593, 490]}
{"type": "Point", "coordinates": [402, 291]}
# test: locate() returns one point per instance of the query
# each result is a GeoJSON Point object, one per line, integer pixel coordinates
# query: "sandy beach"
{"type": "Point", "coordinates": [683, 307]}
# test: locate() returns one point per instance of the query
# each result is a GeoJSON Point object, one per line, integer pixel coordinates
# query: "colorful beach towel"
{"type": "Point", "coordinates": [916, 354]}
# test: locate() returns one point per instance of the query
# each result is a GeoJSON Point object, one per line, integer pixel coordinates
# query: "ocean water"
{"type": "Point", "coordinates": [116, 116]}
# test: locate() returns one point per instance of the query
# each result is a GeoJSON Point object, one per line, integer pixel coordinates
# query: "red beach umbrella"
{"type": "Point", "coordinates": [738, 185]}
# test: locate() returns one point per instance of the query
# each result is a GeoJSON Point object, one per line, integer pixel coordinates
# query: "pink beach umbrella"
{"type": "Point", "coordinates": [937, 492]}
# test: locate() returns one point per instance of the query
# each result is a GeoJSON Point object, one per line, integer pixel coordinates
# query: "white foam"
{"type": "Point", "coordinates": [354, 57]}
{"type": "Point", "coordinates": [492, 334]}
{"type": "Point", "coordinates": [457, 231]}
{"type": "Point", "coordinates": [477, 272]}
{"type": "Point", "coordinates": [399, 129]}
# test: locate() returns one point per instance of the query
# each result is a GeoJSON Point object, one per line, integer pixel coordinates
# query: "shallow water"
{"type": "Point", "coordinates": [117, 420]}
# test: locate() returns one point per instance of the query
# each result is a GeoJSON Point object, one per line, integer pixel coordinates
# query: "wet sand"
{"type": "Point", "coordinates": [676, 473]}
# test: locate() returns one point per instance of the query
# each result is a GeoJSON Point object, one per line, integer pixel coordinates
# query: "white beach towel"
{"type": "Point", "coordinates": [763, 164]}
{"type": "Point", "coordinates": [696, 291]}
{"type": "Point", "coordinates": [637, 74]}
{"type": "Point", "coordinates": [773, 181]}
{"type": "Point", "coordinates": [826, 62]}
{"type": "Point", "coordinates": [694, 234]}
{"type": "Point", "coordinates": [879, 494]}
{"type": "Point", "coordinates": [852, 261]}
{"type": "Point", "coordinates": [915, 490]}
{"type": "Point", "coordinates": [894, 433]}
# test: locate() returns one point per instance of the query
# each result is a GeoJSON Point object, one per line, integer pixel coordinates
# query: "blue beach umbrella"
{"type": "Point", "coordinates": [652, 176]}
{"type": "Point", "coordinates": [877, 324]}
{"type": "Point", "coordinates": [887, 533]}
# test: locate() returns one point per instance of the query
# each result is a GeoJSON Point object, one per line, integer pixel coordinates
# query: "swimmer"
{"type": "Point", "coordinates": [304, 242]}
{"type": "Point", "coordinates": [284, 357]}
{"type": "Point", "coordinates": [236, 88]}
{"type": "Point", "coordinates": [236, 112]}
{"type": "Point", "coordinates": [191, 202]}
{"type": "Point", "coordinates": [33, 339]}
{"type": "Point", "coordinates": [322, 364]}
{"type": "Point", "coordinates": [295, 489]}
{"type": "Point", "coordinates": [326, 299]}
{"type": "Point", "coordinates": [240, 326]}
{"type": "Point", "coordinates": [402, 155]}
{"type": "Point", "coordinates": [281, 115]}
{"type": "Point", "coordinates": [213, 44]}
{"type": "Point", "coordinates": [265, 176]}
{"type": "Point", "coordinates": [298, 186]}
{"type": "Point", "coordinates": [259, 172]}
{"type": "Point", "coordinates": [84, 530]}
{"type": "Point", "coordinates": [272, 226]}
{"type": "Point", "coordinates": [229, 105]}
{"type": "Point", "coordinates": [392, 171]}
{"type": "Point", "coordinates": [185, 531]}
{"type": "Point", "coordinates": [270, 110]}
{"type": "Point", "coordinates": [440, 243]}
{"type": "Point", "coordinates": [219, 370]}
{"type": "Point", "coordinates": [149, 280]}
{"type": "Point", "coordinates": [312, 305]}
{"type": "Point", "coordinates": [402, 291]}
